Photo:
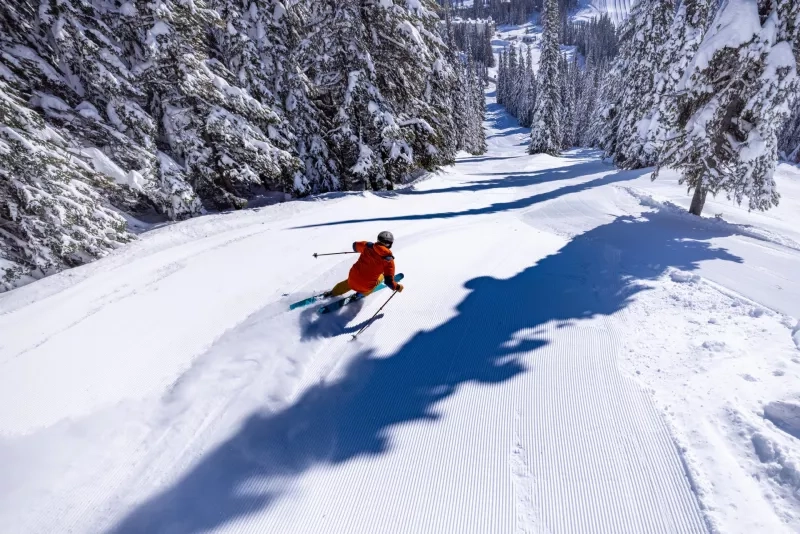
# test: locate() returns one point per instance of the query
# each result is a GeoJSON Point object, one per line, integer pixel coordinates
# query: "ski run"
{"type": "Point", "coordinates": [573, 353]}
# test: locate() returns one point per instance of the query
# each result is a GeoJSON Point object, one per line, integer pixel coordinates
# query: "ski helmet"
{"type": "Point", "coordinates": [386, 238]}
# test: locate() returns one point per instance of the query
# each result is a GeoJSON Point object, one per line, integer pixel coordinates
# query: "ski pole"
{"type": "Point", "coordinates": [316, 255]}
{"type": "Point", "coordinates": [373, 317]}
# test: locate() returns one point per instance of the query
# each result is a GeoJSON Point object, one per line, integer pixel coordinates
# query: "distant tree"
{"type": "Point", "coordinates": [546, 130]}
{"type": "Point", "coordinates": [643, 39]}
{"type": "Point", "coordinates": [688, 27]}
{"type": "Point", "coordinates": [789, 140]}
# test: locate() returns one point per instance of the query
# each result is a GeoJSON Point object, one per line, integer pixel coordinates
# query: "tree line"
{"type": "Point", "coordinates": [704, 89]}
{"type": "Point", "coordinates": [171, 109]}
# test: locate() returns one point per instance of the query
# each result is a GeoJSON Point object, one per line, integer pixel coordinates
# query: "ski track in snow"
{"type": "Point", "coordinates": [167, 389]}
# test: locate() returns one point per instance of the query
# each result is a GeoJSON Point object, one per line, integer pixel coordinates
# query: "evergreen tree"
{"type": "Point", "coordinates": [546, 133]}
{"type": "Point", "coordinates": [382, 69]}
{"type": "Point", "coordinates": [789, 140]}
{"type": "Point", "coordinates": [519, 90]}
{"type": "Point", "coordinates": [733, 102]}
{"type": "Point", "coordinates": [512, 91]}
{"type": "Point", "coordinates": [588, 103]}
{"type": "Point", "coordinates": [501, 78]}
{"type": "Point", "coordinates": [297, 94]}
{"type": "Point", "coordinates": [530, 91]}
{"type": "Point", "coordinates": [79, 80]}
{"type": "Point", "coordinates": [686, 34]}
{"type": "Point", "coordinates": [504, 87]}
{"type": "Point", "coordinates": [170, 107]}
{"type": "Point", "coordinates": [597, 38]}
{"type": "Point", "coordinates": [643, 41]}
{"type": "Point", "coordinates": [51, 216]}
{"type": "Point", "coordinates": [228, 142]}
{"type": "Point", "coordinates": [474, 134]}
{"type": "Point", "coordinates": [569, 95]}
{"type": "Point", "coordinates": [524, 91]}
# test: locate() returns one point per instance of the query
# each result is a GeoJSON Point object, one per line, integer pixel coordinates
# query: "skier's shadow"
{"type": "Point", "coordinates": [332, 324]}
{"type": "Point", "coordinates": [331, 423]}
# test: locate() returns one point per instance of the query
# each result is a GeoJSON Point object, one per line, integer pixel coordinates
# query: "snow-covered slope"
{"type": "Point", "coordinates": [617, 10]}
{"type": "Point", "coordinates": [573, 353]}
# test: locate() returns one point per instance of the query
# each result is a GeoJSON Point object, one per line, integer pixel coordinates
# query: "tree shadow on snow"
{"type": "Point", "coordinates": [595, 274]}
{"type": "Point", "coordinates": [611, 178]}
{"type": "Point", "coordinates": [500, 120]}
{"type": "Point", "coordinates": [517, 179]}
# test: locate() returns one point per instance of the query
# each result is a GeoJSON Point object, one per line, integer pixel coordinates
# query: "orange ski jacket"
{"type": "Point", "coordinates": [375, 260]}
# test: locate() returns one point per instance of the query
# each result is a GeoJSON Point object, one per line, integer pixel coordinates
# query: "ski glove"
{"type": "Point", "coordinates": [399, 288]}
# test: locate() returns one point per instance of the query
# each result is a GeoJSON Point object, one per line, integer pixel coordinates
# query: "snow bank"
{"type": "Point", "coordinates": [784, 415]}
{"type": "Point", "coordinates": [682, 277]}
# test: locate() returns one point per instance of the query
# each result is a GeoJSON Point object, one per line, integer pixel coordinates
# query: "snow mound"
{"type": "Point", "coordinates": [682, 277]}
{"type": "Point", "coordinates": [782, 466]}
{"type": "Point", "coordinates": [714, 346]}
{"type": "Point", "coordinates": [765, 448]}
{"type": "Point", "coordinates": [784, 415]}
{"type": "Point", "coordinates": [796, 335]}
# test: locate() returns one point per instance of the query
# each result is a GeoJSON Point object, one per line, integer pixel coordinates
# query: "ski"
{"type": "Point", "coordinates": [353, 298]}
{"type": "Point", "coordinates": [307, 302]}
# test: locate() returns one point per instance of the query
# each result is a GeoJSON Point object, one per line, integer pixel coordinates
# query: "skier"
{"type": "Point", "coordinates": [375, 265]}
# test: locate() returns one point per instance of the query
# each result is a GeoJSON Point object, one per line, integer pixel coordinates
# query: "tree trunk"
{"type": "Point", "coordinates": [698, 200]}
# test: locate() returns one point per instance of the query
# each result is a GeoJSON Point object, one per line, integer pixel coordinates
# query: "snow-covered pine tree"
{"type": "Point", "coordinates": [385, 86]}
{"type": "Point", "coordinates": [434, 108]}
{"type": "Point", "coordinates": [569, 88]}
{"type": "Point", "coordinates": [69, 62]}
{"type": "Point", "coordinates": [51, 216]}
{"type": "Point", "coordinates": [501, 77]}
{"type": "Point", "coordinates": [473, 138]}
{"type": "Point", "coordinates": [519, 80]}
{"type": "Point", "coordinates": [688, 27]}
{"type": "Point", "coordinates": [605, 121]}
{"type": "Point", "coordinates": [512, 92]}
{"type": "Point", "coordinates": [230, 144]}
{"type": "Point", "coordinates": [644, 36]}
{"type": "Point", "coordinates": [734, 100]}
{"type": "Point", "coordinates": [506, 77]}
{"type": "Point", "coordinates": [530, 92]}
{"type": "Point", "coordinates": [344, 74]}
{"type": "Point", "coordinates": [789, 140]}
{"type": "Point", "coordinates": [478, 145]}
{"type": "Point", "coordinates": [546, 133]}
{"type": "Point", "coordinates": [263, 48]}
{"type": "Point", "coordinates": [588, 102]}
{"type": "Point", "coordinates": [462, 106]}
{"type": "Point", "coordinates": [523, 114]}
